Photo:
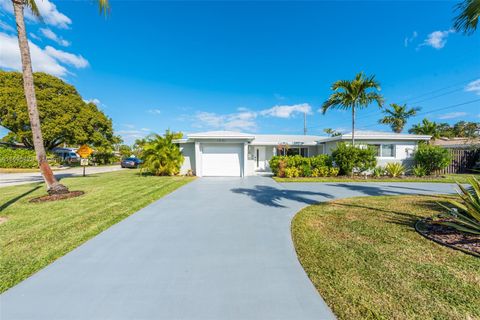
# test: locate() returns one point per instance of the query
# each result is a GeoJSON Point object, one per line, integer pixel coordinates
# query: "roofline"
{"type": "Point", "coordinates": [377, 137]}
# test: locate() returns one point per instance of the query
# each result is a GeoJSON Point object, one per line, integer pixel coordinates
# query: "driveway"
{"type": "Point", "coordinates": [218, 248]}
{"type": "Point", "coordinates": [12, 179]}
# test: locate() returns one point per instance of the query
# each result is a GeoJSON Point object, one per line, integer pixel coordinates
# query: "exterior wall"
{"type": "Point", "coordinates": [188, 151]}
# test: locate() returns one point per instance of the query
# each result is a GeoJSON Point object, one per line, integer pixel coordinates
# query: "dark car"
{"type": "Point", "coordinates": [130, 163]}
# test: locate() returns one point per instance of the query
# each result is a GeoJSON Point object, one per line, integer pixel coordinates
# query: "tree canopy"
{"type": "Point", "coordinates": [65, 117]}
{"type": "Point", "coordinates": [461, 129]}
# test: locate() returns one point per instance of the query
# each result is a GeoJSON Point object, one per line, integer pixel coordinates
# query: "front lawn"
{"type": "Point", "coordinates": [448, 178]}
{"type": "Point", "coordinates": [35, 235]}
{"type": "Point", "coordinates": [367, 261]}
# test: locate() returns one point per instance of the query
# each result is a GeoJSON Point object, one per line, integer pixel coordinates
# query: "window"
{"type": "Point", "coordinates": [384, 150]}
{"type": "Point", "coordinates": [293, 151]}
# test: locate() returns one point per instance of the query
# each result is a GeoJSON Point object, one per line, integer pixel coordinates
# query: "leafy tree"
{"type": "Point", "coordinates": [396, 117]}
{"type": "Point", "coordinates": [432, 158]}
{"type": "Point", "coordinates": [352, 94]}
{"type": "Point", "coordinates": [64, 116]}
{"type": "Point", "coordinates": [331, 132]}
{"type": "Point", "coordinates": [161, 156]}
{"type": "Point", "coordinates": [427, 127]}
{"type": "Point", "coordinates": [125, 151]}
{"type": "Point", "coordinates": [465, 129]}
{"type": "Point", "coordinates": [467, 20]}
{"type": "Point", "coordinates": [53, 186]}
{"type": "Point", "coordinates": [350, 158]}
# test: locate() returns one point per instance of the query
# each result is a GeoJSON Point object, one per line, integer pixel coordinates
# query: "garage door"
{"type": "Point", "coordinates": [222, 160]}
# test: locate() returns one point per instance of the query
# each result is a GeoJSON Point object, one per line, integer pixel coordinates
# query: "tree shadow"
{"type": "Point", "coordinates": [15, 199]}
{"type": "Point", "coordinates": [381, 190]}
{"type": "Point", "coordinates": [272, 197]}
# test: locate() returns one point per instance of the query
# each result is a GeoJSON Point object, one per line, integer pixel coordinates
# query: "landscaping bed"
{"type": "Point", "coordinates": [449, 178]}
{"type": "Point", "coordinates": [33, 235]}
{"type": "Point", "coordinates": [366, 259]}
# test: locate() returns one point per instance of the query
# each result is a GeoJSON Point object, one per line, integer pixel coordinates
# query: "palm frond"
{"type": "Point", "coordinates": [467, 20]}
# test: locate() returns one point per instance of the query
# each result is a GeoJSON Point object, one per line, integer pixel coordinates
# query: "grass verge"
{"type": "Point", "coordinates": [449, 178]}
{"type": "Point", "coordinates": [367, 261]}
{"type": "Point", "coordinates": [36, 234]}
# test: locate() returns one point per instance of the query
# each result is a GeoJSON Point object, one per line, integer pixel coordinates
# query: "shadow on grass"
{"type": "Point", "coordinates": [15, 199]}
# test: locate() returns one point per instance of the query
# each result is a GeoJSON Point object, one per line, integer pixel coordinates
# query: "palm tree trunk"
{"type": "Point", "coordinates": [353, 125]}
{"type": "Point", "coordinates": [53, 187]}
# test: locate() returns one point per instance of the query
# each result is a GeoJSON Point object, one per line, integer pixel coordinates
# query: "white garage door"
{"type": "Point", "coordinates": [222, 160]}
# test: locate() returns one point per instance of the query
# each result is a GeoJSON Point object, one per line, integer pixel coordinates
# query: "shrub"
{"type": "Point", "coordinates": [162, 157]}
{"type": "Point", "coordinates": [292, 172]}
{"type": "Point", "coordinates": [349, 158]}
{"type": "Point", "coordinates": [419, 171]}
{"type": "Point", "coordinates": [432, 158]}
{"type": "Point", "coordinates": [394, 169]}
{"type": "Point", "coordinates": [465, 215]}
{"type": "Point", "coordinates": [305, 171]}
{"type": "Point", "coordinates": [334, 171]}
{"type": "Point", "coordinates": [21, 158]}
{"type": "Point", "coordinates": [378, 172]}
{"type": "Point", "coordinates": [322, 160]}
{"type": "Point", "coordinates": [275, 164]}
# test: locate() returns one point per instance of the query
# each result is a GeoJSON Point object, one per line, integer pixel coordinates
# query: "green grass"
{"type": "Point", "coordinates": [37, 234]}
{"type": "Point", "coordinates": [367, 261]}
{"type": "Point", "coordinates": [448, 178]}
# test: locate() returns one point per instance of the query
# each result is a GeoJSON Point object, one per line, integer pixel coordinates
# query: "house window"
{"type": "Point", "coordinates": [384, 150]}
{"type": "Point", "coordinates": [293, 151]}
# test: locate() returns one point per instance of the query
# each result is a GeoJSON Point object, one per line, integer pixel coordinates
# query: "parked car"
{"type": "Point", "coordinates": [130, 163]}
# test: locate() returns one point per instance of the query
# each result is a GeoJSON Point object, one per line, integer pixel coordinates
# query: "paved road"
{"type": "Point", "coordinates": [214, 249]}
{"type": "Point", "coordinates": [11, 179]}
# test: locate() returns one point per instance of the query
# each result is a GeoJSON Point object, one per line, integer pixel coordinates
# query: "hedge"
{"type": "Point", "coordinates": [298, 166]}
{"type": "Point", "coordinates": [20, 158]}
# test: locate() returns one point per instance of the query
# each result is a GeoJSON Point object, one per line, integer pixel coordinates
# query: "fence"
{"type": "Point", "coordinates": [464, 160]}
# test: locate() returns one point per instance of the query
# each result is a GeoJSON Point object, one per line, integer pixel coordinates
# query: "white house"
{"type": "Point", "coordinates": [227, 153]}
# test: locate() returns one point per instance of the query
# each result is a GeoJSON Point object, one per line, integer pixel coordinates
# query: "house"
{"type": "Point", "coordinates": [227, 153]}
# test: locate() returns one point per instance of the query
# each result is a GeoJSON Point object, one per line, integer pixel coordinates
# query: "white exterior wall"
{"type": "Point", "coordinates": [188, 151]}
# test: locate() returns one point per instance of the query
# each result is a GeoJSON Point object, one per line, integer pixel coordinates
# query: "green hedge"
{"type": "Point", "coordinates": [298, 166]}
{"type": "Point", "coordinates": [354, 159]}
{"type": "Point", "coordinates": [432, 158]}
{"type": "Point", "coordinates": [20, 158]}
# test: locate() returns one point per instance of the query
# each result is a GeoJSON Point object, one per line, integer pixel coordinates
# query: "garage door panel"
{"type": "Point", "coordinates": [222, 160]}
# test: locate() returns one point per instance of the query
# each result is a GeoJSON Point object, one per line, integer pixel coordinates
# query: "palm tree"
{"type": "Point", "coordinates": [397, 116]}
{"type": "Point", "coordinates": [357, 93]}
{"type": "Point", "coordinates": [427, 127]}
{"type": "Point", "coordinates": [161, 155]}
{"type": "Point", "coordinates": [467, 20]}
{"type": "Point", "coordinates": [53, 186]}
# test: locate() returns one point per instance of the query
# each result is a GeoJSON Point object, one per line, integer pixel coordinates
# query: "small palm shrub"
{"type": "Point", "coordinates": [394, 169]}
{"type": "Point", "coordinates": [465, 215]}
{"type": "Point", "coordinates": [432, 158]}
{"type": "Point", "coordinates": [162, 157]}
{"type": "Point", "coordinates": [292, 172]}
{"type": "Point", "coordinates": [419, 171]}
{"type": "Point", "coordinates": [378, 172]}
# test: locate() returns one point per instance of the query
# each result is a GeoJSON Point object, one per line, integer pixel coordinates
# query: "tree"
{"type": "Point", "coordinates": [53, 186]}
{"type": "Point", "coordinates": [427, 127]}
{"type": "Point", "coordinates": [332, 132]}
{"type": "Point", "coordinates": [465, 129]}
{"type": "Point", "coordinates": [161, 156]}
{"type": "Point", "coordinates": [467, 20]}
{"type": "Point", "coordinates": [352, 94]}
{"type": "Point", "coordinates": [396, 117]}
{"type": "Point", "coordinates": [64, 116]}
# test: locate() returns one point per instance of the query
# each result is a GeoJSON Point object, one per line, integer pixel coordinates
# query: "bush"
{"type": "Point", "coordinates": [322, 160]}
{"type": "Point", "coordinates": [432, 158]}
{"type": "Point", "coordinates": [378, 172]}
{"type": "Point", "coordinates": [334, 171]}
{"type": "Point", "coordinates": [162, 157]}
{"type": "Point", "coordinates": [419, 171]}
{"type": "Point", "coordinates": [21, 158]}
{"type": "Point", "coordinates": [394, 169]}
{"type": "Point", "coordinates": [292, 172]}
{"type": "Point", "coordinates": [306, 171]}
{"type": "Point", "coordinates": [350, 158]}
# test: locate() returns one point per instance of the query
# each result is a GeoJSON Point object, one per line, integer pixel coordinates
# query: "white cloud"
{"type": "Point", "coordinates": [437, 39]}
{"type": "Point", "coordinates": [473, 86]}
{"type": "Point", "coordinates": [48, 11]}
{"type": "Point", "coordinates": [49, 34]}
{"type": "Point", "coordinates": [154, 111]}
{"type": "Point", "coordinates": [452, 115]}
{"type": "Point", "coordinates": [410, 39]}
{"type": "Point", "coordinates": [94, 101]}
{"type": "Point", "coordinates": [34, 36]}
{"type": "Point", "coordinates": [287, 111]}
{"type": "Point", "coordinates": [41, 60]}
{"type": "Point", "coordinates": [146, 129]}
{"type": "Point", "coordinates": [5, 26]}
{"type": "Point", "coordinates": [242, 121]}
{"type": "Point", "coordinates": [69, 58]}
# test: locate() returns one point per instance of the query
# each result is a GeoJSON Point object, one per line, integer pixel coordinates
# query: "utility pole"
{"type": "Point", "coordinates": [304, 123]}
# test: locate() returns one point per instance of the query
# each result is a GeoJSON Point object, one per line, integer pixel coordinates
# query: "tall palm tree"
{"type": "Point", "coordinates": [352, 94]}
{"type": "Point", "coordinates": [53, 186]}
{"type": "Point", "coordinates": [427, 127]}
{"type": "Point", "coordinates": [467, 19]}
{"type": "Point", "coordinates": [396, 117]}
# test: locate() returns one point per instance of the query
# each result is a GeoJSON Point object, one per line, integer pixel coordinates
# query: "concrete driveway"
{"type": "Point", "coordinates": [218, 248]}
{"type": "Point", "coordinates": [12, 179]}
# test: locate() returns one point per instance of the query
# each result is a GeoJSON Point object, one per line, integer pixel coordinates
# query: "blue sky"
{"type": "Point", "coordinates": [251, 66]}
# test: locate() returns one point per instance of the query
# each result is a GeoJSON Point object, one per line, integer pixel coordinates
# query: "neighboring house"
{"type": "Point", "coordinates": [227, 153]}
{"type": "Point", "coordinates": [462, 143]}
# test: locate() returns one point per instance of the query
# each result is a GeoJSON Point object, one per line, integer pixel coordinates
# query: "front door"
{"type": "Point", "coordinates": [260, 161]}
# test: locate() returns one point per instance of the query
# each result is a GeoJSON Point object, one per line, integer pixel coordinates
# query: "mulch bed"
{"type": "Point", "coordinates": [448, 236]}
{"type": "Point", "coordinates": [56, 197]}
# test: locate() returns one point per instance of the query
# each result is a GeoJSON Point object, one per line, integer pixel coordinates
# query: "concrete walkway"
{"type": "Point", "coordinates": [12, 179]}
{"type": "Point", "coordinates": [218, 248]}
